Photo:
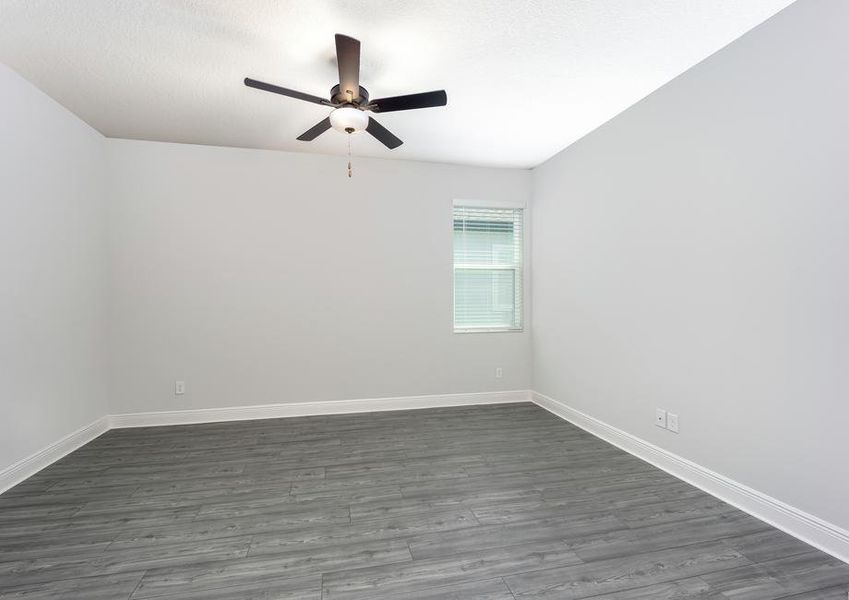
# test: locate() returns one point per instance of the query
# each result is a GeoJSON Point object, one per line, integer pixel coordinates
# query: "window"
{"type": "Point", "coordinates": [487, 268]}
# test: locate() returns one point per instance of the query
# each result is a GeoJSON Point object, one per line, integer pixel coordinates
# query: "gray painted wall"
{"type": "Point", "coordinates": [261, 277]}
{"type": "Point", "coordinates": [53, 271]}
{"type": "Point", "coordinates": [693, 254]}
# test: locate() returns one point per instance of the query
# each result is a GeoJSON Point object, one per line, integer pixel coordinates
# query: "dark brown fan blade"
{"type": "Point", "coordinates": [315, 131]}
{"type": "Point", "coordinates": [348, 59]}
{"type": "Point", "coordinates": [409, 102]}
{"type": "Point", "coordinates": [383, 135]}
{"type": "Point", "coordinates": [276, 89]}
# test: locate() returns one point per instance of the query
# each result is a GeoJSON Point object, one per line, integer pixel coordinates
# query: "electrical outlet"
{"type": "Point", "coordinates": [660, 417]}
{"type": "Point", "coordinates": [672, 422]}
{"type": "Point", "coordinates": [179, 387]}
{"type": "Point", "coordinates": [498, 373]}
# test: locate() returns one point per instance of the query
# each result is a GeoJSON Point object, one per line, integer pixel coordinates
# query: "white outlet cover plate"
{"type": "Point", "coordinates": [660, 417]}
{"type": "Point", "coordinates": [672, 422]}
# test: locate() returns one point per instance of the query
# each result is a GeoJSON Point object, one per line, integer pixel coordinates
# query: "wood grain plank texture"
{"type": "Point", "coordinates": [503, 502]}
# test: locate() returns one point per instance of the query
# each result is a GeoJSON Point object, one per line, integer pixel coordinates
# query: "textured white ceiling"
{"type": "Point", "coordinates": [524, 78]}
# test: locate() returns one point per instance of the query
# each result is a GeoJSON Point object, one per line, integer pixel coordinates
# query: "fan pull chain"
{"type": "Point", "coordinates": [349, 156]}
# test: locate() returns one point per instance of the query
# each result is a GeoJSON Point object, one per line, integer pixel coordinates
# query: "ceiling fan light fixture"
{"type": "Point", "coordinates": [348, 119]}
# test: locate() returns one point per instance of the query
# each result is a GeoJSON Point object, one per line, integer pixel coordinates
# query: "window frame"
{"type": "Point", "coordinates": [519, 291]}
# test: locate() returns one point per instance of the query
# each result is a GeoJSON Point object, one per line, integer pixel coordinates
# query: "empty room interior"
{"type": "Point", "coordinates": [394, 300]}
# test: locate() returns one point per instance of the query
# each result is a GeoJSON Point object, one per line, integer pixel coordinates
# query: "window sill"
{"type": "Point", "coordinates": [490, 330]}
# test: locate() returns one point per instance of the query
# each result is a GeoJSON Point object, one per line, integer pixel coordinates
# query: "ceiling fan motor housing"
{"type": "Point", "coordinates": [339, 96]}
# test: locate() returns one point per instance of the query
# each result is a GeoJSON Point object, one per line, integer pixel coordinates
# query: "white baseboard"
{"type": "Point", "coordinates": [815, 531]}
{"type": "Point", "coordinates": [29, 466]}
{"type": "Point", "coordinates": [819, 533]}
{"type": "Point", "coordinates": [32, 464]}
{"type": "Point", "coordinates": [303, 409]}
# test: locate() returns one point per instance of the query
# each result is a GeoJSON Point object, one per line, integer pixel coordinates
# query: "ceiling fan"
{"type": "Point", "coordinates": [350, 101]}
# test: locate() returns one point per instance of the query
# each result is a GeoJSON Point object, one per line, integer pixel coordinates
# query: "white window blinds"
{"type": "Point", "coordinates": [487, 269]}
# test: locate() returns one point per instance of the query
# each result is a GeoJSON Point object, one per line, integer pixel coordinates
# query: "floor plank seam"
{"type": "Point", "coordinates": [138, 585]}
{"type": "Point", "coordinates": [506, 585]}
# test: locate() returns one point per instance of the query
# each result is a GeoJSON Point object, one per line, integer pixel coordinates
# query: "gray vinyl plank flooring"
{"type": "Point", "coordinates": [629, 571]}
{"type": "Point", "coordinates": [499, 502]}
{"type": "Point", "coordinates": [491, 589]}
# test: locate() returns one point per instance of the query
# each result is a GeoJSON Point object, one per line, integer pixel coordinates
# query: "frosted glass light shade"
{"type": "Point", "coordinates": [348, 119]}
